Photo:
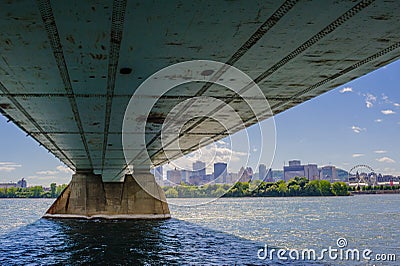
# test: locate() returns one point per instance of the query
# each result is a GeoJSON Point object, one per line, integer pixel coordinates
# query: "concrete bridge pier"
{"type": "Point", "coordinates": [88, 197]}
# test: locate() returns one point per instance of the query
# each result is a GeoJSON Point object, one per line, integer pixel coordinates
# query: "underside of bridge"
{"type": "Point", "coordinates": [69, 68]}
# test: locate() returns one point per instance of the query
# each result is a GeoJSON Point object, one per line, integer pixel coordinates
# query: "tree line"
{"type": "Point", "coordinates": [372, 188]}
{"type": "Point", "coordinates": [298, 186]}
{"type": "Point", "coordinates": [32, 192]}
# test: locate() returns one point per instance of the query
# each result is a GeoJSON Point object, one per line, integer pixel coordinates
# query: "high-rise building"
{"type": "Point", "coordinates": [220, 172]}
{"type": "Point", "coordinates": [232, 178]}
{"type": "Point", "coordinates": [250, 172]}
{"type": "Point", "coordinates": [199, 168]}
{"type": "Point", "coordinates": [22, 183]}
{"type": "Point", "coordinates": [269, 177]}
{"type": "Point", "coordinates": [186, 174]}
{"type": "Point", "coordinates": [174, 177]}
{"type": "Point", "coordinates": [328, 173]}
{"type": "Point", "coordinates": [311, 172]}
{"type": "Point", "coordinates": [295, 168]}
{"type": "Point", "coordinates": [8, 185]}
{"type": "Point", "coordinates": [158, 173]}
{"type": "Point", "coordinates": [262, 171]}
{"type": "Point", "coordinates": [295, 163]}
{"type": "Point", "coordinates": [243, 175]}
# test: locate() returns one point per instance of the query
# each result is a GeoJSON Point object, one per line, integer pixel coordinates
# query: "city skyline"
{"type": "Point", "coordinates": [356, 123]}
{"type": "Point", "coordinates": [198, 176]}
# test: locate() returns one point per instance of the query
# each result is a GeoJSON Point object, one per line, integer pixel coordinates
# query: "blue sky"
{"type": "Point", "coordinates": [21, 156]}
{"type": "Point", "coordinates": [357, 123]}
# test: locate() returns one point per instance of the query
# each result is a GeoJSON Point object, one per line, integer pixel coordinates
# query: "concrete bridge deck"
{"type": "Point", "coordinates": [69, 68]}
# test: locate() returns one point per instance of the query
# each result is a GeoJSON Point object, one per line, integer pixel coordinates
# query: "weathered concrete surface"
{"type": "Point", "coordinates": [61, 62]}
{"type": "Point", "coordinates": [88, 197]}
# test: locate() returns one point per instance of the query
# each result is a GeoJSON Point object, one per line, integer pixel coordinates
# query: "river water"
{"type": "Point", "coordinates": [228, 231]}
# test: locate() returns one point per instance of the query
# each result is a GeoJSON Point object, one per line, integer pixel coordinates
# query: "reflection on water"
{"type": "Point", "coordinates": [225, 232]}
{"type": "Point", "coordinates": [124, 242]}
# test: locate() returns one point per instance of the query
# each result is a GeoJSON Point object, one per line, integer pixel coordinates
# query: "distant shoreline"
{"type": "Point", "coordinates": [375, 192]}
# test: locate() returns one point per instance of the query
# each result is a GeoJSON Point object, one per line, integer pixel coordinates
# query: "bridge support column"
{"type": "Point", "coordinates": [88, 197]}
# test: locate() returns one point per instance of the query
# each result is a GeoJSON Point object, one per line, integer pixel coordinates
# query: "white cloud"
{"type": "Point", "coordinates": [64, 169]}
{"type": "Point", "coordinates": [357, 129]}
{"type": "Point", "coordinates": [210, 154]}
{"type": "Point", "coordinates": [355, 155]}
{"type": "Point", "coordinates": [385, 160]}
{"type": "Point", "coordinates": [378, 120]}
{"type": "Point", "coordinates": [388, 112]}
{"type": "Point", "coordinates": [380, 151]}
{"type": "Point", "coordinates": [346, 89]}
{"type": "Point", "coordinates": [370, 99]}
{"type": "Point", "coordinates": [60, 170]}
{"type": "Point", "coordinates": [49, 172]}
{"type": "Point", "coordinates": [386, 100]}
{"type": "Point", "coordinates": [45, 180]}
{"type": "Point", "coordinates": [9, 166]}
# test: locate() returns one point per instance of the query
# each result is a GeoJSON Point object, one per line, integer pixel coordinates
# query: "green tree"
{"type": "Point", "coordinates": [60, 189]}
{"type": "Point", "coordinates": [218, 192]}
{"type": "Point", "coordinates": [340, 189]}
{"type": "Point", "coordinates": [3, 192]}
{"type": "Point", "coordinates": [312, 188]}
{"type": "Point", "coordinates": [255, 187]}
{"type": "Point", "coordinates": [282, 188]}
{"type": "Point", "coordinates": [239, 189]}
{"type": "Point", "coordinates": [272, 191]}
{"type": "Point", "coordinates": [325, 188]}
{"type": "Point", "coordinates": [36, 191]}
{"type": "Point", "coordinates": [11, 192]}
{"type": "Point", "coordinates": [294, 190]}
{"type": "Point", "coordinates": [292, 182]}
{"type": "Point", "coordinates": [171, 193]}
{"type": "Point", "coordinates": [296, 186]}
{"type": "Point", "coordinates": [53, 189]}
{"type": "Point", "coordinates": [302, 181]}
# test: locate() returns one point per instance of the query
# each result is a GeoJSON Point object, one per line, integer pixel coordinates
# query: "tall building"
{"type": "Point", "coordinates": [194, 180]}
{"type": "Point", "coordinates": [220, 172]}
{"type": "Point", "coordinates": [311, 171]}
{"type": "Point", "coordinates": [22, 183]}
{"type": "Point", "coordinates": [295, 168]}
{"type": "Point", "coordinates": [243, 175]}
{"type": "Point", "coordinates": [199, 168]}
{"type": "Point", "coordinates": [262, 172]}
{"type": "Point", "coordinates": [232, 178]}
{"type": "Point", "coordinates": [328, 173]}
{"type": "Point", "coordinates": [295, 163]}
{"type": "Point", "coordinates": [174, 177]}
{"type": "Point", "coordinates": [158, 173]}
{"type": "Point", "coordinates": [186, 174]}
{"type": "Point", "coordinates": [269, 177]}
{"type": "Point", "coordinates": [8, 185]}
{"type": "Point", "coordinates": [250, 172]}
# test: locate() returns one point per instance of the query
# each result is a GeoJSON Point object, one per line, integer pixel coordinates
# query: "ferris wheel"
{"type": "Point", "coordinates": [362, 173]}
